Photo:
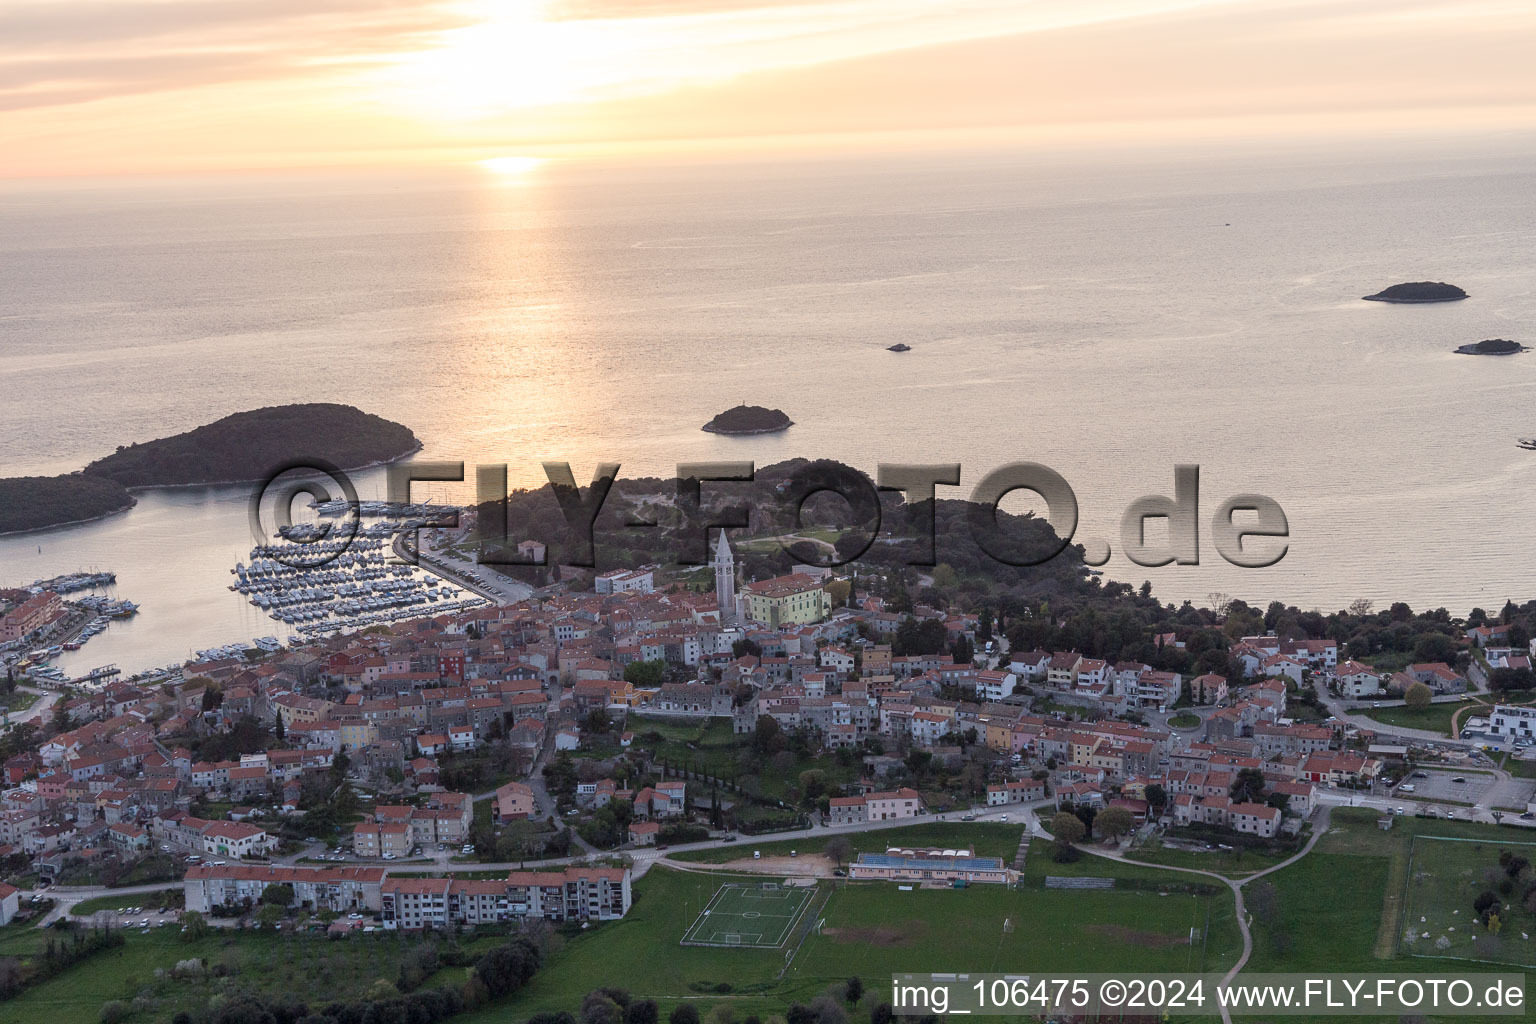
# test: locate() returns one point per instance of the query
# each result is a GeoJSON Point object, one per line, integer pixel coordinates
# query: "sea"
{"type": "Point", "coordinates": [1110, 314]}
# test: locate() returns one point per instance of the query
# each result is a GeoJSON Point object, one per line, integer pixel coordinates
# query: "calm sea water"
{"type": "Point", "coordinates": [1109, 318]}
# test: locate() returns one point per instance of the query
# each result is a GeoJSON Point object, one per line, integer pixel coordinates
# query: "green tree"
{"type": "Point", "coordinates": [642, 1011]}
{"type": "Point", "coordinates": [813, 783]}
{"type": "Point", "coordinates": [838, 850]}
{"type": "Point", "coordinates": [1067, 830]}
{"type": "Point", "coordinates": [1113, 822]}
{"type": "Point", "coordinates": [646, 674]}
{"type": "Point", "coordinates": [1417, 696]}
{"type": "Point", "coordinates": [963, 650]}
{"type": "Point", "coordinates": [768, 737]}
{"type": "Point", "coordinates": [1434, 647]}
{"type": "Point", "coordinates": [1248, 787]}
{"type": "Point", "coordinates": [278, 894]}
{"type": "Point", "coordinates": [193, 926]}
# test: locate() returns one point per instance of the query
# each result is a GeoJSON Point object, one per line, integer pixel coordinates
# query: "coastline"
{"type": "Point", "coordinates": [133, 501]}
{"type": "Point", "coordinates": [746, 433]}
{"type": "Point", "coordinates": [73, 522]}
{"type": "Point", "coordinates": [376, 463]}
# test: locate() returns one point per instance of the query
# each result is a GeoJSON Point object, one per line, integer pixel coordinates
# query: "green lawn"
{"type": "Point", "coordinates": [876, 929]}
{"type": "Point", "coordinates": [1342, 907]}
{"type": "Point", "coordinates": [1235, 863]}
{"type": "Point", "coordinates": [642, 953]}
{"type": "Point", "coordinates": [266, 961]}
{"type": "Point", "coordinates": [741, 914]}
{"type": "Point", "coordinates": [1445, 876]}
{"type": "Point", "coordinates": [714, 749]}
{"type": "Point", "coordinates": [19, 700]}
{"type": "Point", "coordinates": [873, 929]}
{"type": "Point", "coordinates": [1435, 718]}
{"type": "Point", "coordinates": [148, 900]}
{"type": "Point", "coordinates": [989, 839]}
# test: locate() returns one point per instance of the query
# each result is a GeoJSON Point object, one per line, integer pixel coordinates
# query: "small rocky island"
{"type": "Point", "coordinates": [1418, 291]}
{"type": "Point", "coordinates": [898, 347]}
{"type": "Point", "coordinates": [1491, 347]}
{"type": "Point", "coordinates": [749, 419]}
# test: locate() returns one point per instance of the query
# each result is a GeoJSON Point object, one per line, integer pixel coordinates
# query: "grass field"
{"type": "Point", "coordinates": [1234, 863]}
{"type": "Point", "coordinates": [1445, 876]}
{"type": "Point", "coordinates": [989, 838]}
{"type": "Point", "coordinates": [749, 915]}
{"type": "Point", "coordinates": [148, 900]}
{"type": "Point", "coordinates": [262, 961]}
{"type": "Point", "coordinates": [875, 930]}
{"type": "Point", "coordinates": [1435, 718]}
{"type": "Point", "coordinates": [1343, 907]}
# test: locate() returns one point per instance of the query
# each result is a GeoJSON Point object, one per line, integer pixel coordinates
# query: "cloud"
{"type": "Point", "coordinates": [176, 83]}
{"type": "Point", "coordinates": [56, 53]}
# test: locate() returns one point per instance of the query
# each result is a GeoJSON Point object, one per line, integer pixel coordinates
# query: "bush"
{"type": "Point", "coordinates": [113, 1011]}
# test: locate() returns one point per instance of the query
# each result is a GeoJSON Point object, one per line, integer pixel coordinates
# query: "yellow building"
{"type": "Point", "coordinates": [356, 733]}
{"type": "Point", "coordinates": [796, 598]}
{"type": "Point", "coordinates": [999, 735]}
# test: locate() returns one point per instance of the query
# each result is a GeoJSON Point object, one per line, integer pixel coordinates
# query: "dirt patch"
{"type": "Point", "coordinates": [1148, 940]}
{"type": "Point", "coordinates": [813, 865]}
{"type": "Point", "coordinates": [888, 935]}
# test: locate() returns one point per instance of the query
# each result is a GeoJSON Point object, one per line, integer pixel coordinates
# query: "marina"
{"type": "Point", "coordinates": [326, 577]}
{"type": "Point", "coordinates": [74, 582]}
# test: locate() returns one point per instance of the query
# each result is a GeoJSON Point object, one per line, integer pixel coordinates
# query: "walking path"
{"type": "Point", "coordinates": [1319, 828]}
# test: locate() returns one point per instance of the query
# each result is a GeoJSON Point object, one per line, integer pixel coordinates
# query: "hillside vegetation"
{"type": "Point", "coordinates": [35, 502]}
{"type": "Point", "coordinates": [250, 445]}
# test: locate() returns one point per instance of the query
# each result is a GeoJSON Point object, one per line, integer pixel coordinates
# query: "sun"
{"type": "Point", "coordinates": [514, 57]}
{"type": "Point", "coordinates": [512, 166]}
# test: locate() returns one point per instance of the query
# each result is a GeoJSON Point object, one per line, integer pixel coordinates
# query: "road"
{"type": "Point", "coordinates": [36, 712]}
{"type": "Point", "coordinates": [66, 896]}
{"type": "Point", "coordinates": [492, 586]}
{"type": "Point", "coordinates": [1344, 711]}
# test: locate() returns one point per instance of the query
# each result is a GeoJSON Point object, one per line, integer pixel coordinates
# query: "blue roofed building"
{"type": "Point", "coordinates": [928, 865]}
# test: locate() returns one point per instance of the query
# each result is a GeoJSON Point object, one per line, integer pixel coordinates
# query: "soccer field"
{"type": "Point", "coordinates": [748, 915]}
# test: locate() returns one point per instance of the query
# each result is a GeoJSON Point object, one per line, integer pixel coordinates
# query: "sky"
{"type": "Point", "coordinates": [103, 87]}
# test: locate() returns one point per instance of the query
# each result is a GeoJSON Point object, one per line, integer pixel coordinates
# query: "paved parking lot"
{"type": "Point", "coordinates": [1439, 786]}
{"type": "Point", "coordinates": [121, 918]}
